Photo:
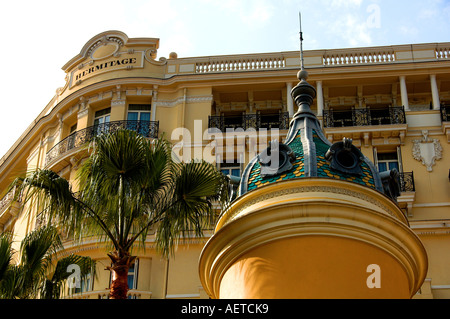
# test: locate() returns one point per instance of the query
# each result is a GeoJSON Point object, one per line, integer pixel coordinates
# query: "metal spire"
{"type": "Point", "coordinates": [303, 93]}
{"type": "Point", "coordinates": [301, 41]}
{"type": "Point", "coordinates": [302, 74]}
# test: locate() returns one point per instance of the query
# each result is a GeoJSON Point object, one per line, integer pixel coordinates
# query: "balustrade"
{"type": "Point", "coordinates": [445, 112]}
{"type": "Point", "coordinates": [81, 137]}
{"type": "Point", "coordinates": [240, 64]}
{"type": "Point", "coordinates": [339, 57]}
{"type": "Point", "coordinates": [257, 121]}
{"type": "Point", "coordinates": [364, 117]}
{"type": "Point", "coordinates": [443, 53]}
{"type": "Point", "coordinates": [104, 294]}
{"type": "Point", "coordinates": [8, 198]}
{"type": "Point", "coordinates": [358, 58]}
{"type": "Point", "coordinates": [407, 182]}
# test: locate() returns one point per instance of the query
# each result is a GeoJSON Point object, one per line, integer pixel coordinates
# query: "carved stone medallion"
{"type": "Point", "coordinates": [427, 150]}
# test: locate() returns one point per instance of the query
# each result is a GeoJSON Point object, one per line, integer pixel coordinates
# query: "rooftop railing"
{"type": "Point", "coordinates": [81, 137]}
{"type": "Point", "coordinates": [312, 59]}
{"type": "Point", "coordinates": [361, 57]}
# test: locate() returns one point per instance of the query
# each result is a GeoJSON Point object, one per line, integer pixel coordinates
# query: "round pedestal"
{"type": "Point", "coordinates": [313, 238]}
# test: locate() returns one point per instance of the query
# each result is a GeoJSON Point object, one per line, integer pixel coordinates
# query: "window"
{"type": "Point", "coordinates": [73, 128]}
{"type": "Point", "coordinates": [138, 118]}
{"type": "Point", "coordinates": [132, 275]}
{"type": "Point", "coordinates": [139, 112]}
{"type": "Point", "coordinates": [101, 119]}
{"type": "Point", "coordinates": [233, 120]}
{"type": "Point", "coordinates": [71, 140]}
{"type": "Point", "coordinates": [233, 169]}
{"type": "Point", "coordinates": [85, 285]}
{"type": "Point", "coordinates": [387, 161]}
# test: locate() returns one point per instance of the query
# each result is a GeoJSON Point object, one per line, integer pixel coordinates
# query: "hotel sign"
{"type": "Point", "coordinates": [97, 67]}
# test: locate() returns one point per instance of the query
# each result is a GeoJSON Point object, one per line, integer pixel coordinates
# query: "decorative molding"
{"type": "Point", "coordinates": [118, 102]}
{"type": "Point", "coordinates": [105, 40]}
{"type": "Point", "coordinates": [298, 186]}
{"type": "Point", "coordinates": [320, 215]}
{"type": "Point", "coordinates": [150, 56]}
{"type": "Point", "coordinates": [427, 150]}
{"type": "Point", "coordinates": [181, 99]}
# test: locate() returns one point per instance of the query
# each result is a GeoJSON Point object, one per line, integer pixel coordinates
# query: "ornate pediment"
{"type": "Point", "coordinates": [110, 51]}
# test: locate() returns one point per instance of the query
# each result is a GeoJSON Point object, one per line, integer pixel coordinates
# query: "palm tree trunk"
{"type": "Point", "coordinates": [121, 262]}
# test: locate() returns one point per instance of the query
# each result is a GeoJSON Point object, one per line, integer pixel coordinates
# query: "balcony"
{"type": "Point", "coordinates": [380, 125]}
{"type": "Point", "coordinates": [81, 137]}
{"type": "Point", "coordinates": [408, 192]}
{"type": "Point", "coordinates": [9, 207]}
{"type": "Point", "coordinates": [407, 182]}
{"type": "Point", "coordinates": [104, 294]}
{"type": "Point", "coordinates": [364, 117]}
{"type": "Point", "coordinates": [245, 121]}
{"type": "Point", "coordinates": [445, 112]}
{"type": "Point", "coordinates": [445, 118]}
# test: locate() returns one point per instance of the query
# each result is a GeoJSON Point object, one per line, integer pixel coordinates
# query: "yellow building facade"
{"type": "Point", "coordinates": [392, 101]}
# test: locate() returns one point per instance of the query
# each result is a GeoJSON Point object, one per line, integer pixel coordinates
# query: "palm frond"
{"type": "Point", "coordinates": [197, 186]}
{"type": "Point", "coordinates": [53, 285]}
{"type": "Point", "coordinates": [38, 250]}
{"type": "Point", "coordinates": [6, 253]}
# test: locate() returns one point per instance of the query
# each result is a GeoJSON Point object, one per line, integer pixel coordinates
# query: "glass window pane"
{"type": "Point", "coordinates": [102, 112]}
{"type": "Point", "coordinates": [139, 107]}
{"type": "Point", "coordinates": [235, 172]}
{"type": "Point", "coordinates": [132, 116]}
{"type": "Point", "coordinates": [130, 281]}
{"type": "Point", "coordinates": [107, 117]}
{"type": "Point", "coordinates": [387, 156]}
{"type": "Point", "coordinates": [98, 121]}
{"type": "Point", "coordinates": [393, 165]}
{"type": "Point", "coordinates": [145, 116]}
{"type": "Point", "coordinates": [382, 167]}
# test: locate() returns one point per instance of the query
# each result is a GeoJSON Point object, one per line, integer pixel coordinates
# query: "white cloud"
{"type": "Point", "coordinates": [351, 29]}
{"type": "Point", "coordinates": [252, 13]}
{"type": "Point", "coordinates": [346, 3]}
{"type": "Point", "coordinates": [409, 31]}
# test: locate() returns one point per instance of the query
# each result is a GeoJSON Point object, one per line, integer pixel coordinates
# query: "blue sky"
{"type": "Point", "coordinates": [39, 37]}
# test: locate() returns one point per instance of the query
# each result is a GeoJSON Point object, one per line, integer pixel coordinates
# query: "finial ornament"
{"type": "Point", "coordinates": [302, 74]}
{"type": "Point", "coordinates": [303, 93]}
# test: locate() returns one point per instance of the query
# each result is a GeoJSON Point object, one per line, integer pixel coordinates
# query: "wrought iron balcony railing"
{"type": "Point", "coordinates": [445, 112]}
{"type": "Point", "coordinates": [257, 121]}
{"type": "Point", "coordinates": [407, 182]}
{"type": "Point", "coordinates": [81, 137]}
{"type": "Point", "coordinates": [9, 197]}
{"type": "Point", "coordinates": [364, 117]}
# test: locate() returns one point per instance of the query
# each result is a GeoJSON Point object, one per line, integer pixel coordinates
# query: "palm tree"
{"type": "Point", "coordinates": [6, 256]}
{"type": "Point", "coordinates": [127, 185]}
{"type": "Point", "coordinates": [39, 273]}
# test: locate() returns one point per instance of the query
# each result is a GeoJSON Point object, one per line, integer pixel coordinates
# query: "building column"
{"type": "Point", "coordinates": [434, 92]}
{"type": "Point", "coordinates": [290, 101]}
{"type": "Point", "coordinates": [154, 99]}
{"type": "Point", "coordinates": [404, 92]}
{"type": "Point", "coordinates": [319, 98]}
